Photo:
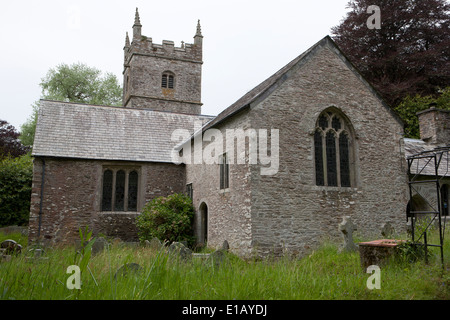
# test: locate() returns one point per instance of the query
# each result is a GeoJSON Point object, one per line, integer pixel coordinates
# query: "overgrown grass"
{"type": "Point", "coordinates": [325, 274]}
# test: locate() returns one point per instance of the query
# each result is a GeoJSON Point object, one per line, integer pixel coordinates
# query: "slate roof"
{"type": "Point", "coordinates": [425, 166]}
{"type": "Point", "coordinates": [84, 131]}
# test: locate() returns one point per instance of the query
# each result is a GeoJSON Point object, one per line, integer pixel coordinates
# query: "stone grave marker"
{"type": "Point", "coordinates": [216, 258]}
{"type": "Point", "coordinates": [347, 227]}
{"type": "Point", "coordinates": [99, 245]}
{"type": "Point", "coordinates": [154, 244]}
{"type": "Point", "coordinates": [181, 250]}
{"type": "Point", "coordinates": [387, 230]}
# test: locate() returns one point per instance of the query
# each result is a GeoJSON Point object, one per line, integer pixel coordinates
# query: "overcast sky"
{"type": "Point", "coordinates": [245, 41]}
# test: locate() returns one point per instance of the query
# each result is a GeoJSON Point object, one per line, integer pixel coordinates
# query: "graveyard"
{"type": "Point", "coordinates": [109, 269]}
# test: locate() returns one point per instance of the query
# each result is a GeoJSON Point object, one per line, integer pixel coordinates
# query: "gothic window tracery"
{"type": "Point", "coordinates": [333, 151]}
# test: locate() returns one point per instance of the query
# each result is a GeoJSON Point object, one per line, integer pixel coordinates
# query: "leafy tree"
{"type": "Point", "coordinates": [80, 83]}
{"type": "Point", "coordinates": [15, 190]}
{"type": "Point", "coordinates": [10, 144]}
{"type": "Point", "coordinates": [409, 107]}
{"type": "Point", "coordinates": [167, 218]}
{"type": "Point", "coordinates": [74, 83]}
{"type": "Point", "coordinates": [408, 55]}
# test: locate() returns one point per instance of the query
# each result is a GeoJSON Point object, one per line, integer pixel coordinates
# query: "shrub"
{"type": "Point", "coordinates": [15, 190]}
{"type": "Point", "coordinates": [168, 219]}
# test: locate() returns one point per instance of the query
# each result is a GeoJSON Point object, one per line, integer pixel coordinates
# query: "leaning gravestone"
{"type": "Point", "coordinates": [347, 227]}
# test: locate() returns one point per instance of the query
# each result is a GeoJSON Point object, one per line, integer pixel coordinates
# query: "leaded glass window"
{"type": "Point", "coordinates": [224, 171]}
{"type": "Point", "coordinates": [132, 190]}
{"type": "Point", "coordinates": [333, 150]}
{"type": "Point", "coordinates": [318, 158]}
{"type": "Point", "coordinates": [107, 190]}
{"type": "Point", "coordinates": [120, 189]}
{"type": "Point", "coordinates": [331, 159]}
{"type": "Point", "coordinates": [344, 160]}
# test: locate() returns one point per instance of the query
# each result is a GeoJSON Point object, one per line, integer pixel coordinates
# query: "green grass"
{"type": "Point", "coordinates": [325, 274]}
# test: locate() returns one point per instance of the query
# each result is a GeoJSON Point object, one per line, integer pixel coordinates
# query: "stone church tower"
{"type": "Point", "coordinates": [162, 77]}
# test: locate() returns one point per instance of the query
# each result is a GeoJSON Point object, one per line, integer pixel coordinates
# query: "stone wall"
{"type": "Point", "coordinates": [229, 210]}
{"type": "Point", "coordinates": [289, 212]}
{"type": "Point", "coordinates": [145, 63]}
{"type": "Point", "coordinates": [72, 197]}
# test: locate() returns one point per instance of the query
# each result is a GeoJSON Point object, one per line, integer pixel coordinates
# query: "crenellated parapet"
{"type": "Point", "coordinates": [162, 76]}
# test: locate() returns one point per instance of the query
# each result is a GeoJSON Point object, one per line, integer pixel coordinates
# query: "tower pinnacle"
{"type": "Point", "coordinates": [137, 27]}
{"type": "Point", "coordinates": [198, 38]}
{"type": "Point", "coordinates": [127, 41]}
{"type": "Point", "coordinates": [137, 20]}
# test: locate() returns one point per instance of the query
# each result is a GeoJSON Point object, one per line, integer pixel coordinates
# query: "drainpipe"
{"type": "Point", "coordinates": [42, 197]}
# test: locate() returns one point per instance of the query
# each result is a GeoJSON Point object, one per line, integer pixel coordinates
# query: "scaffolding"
{"type": "Point", "coordinates": [428, 168]}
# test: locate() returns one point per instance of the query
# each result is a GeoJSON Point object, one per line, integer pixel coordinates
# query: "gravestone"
{"type": "Point", "coordinates": [216, 258]}
{"type": "Point", "coordinates": [99, 245]}
{"type": "Point", "coordinates": [225, 246]}
{"type": "Point", "coordinates": [154, 244]}
{"type": "Point", "coordinates": [10, 247]}
{"type": "Point", "coordinates": [181, 250]}
{"type": "Point", "coordinates": [387, 230]}
{"type": "Point", "coordinates": [128, 269]}
{"type": "Point", "coordinates": [347, 227]}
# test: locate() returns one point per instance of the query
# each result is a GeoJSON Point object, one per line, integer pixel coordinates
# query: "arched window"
{"type": "Point", "coordinates": [168, 80]}
{"type": "Point", "coordinates": [333, 151]}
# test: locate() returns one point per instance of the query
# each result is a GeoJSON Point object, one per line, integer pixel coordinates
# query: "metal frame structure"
{"type": "Point", "coordinates": [435, 165]}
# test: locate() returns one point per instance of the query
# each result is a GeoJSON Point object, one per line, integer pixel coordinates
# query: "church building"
{"type": "Point", "coordinates": [278, 169]}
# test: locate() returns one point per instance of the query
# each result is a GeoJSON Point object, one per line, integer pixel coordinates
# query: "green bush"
{"type": "Point", "coordinates": [168, 219]}
{"type": "Point", "coordinates": [15, 190]}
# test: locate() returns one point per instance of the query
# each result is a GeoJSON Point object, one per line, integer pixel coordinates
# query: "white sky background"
{"type": "Point", "coordinates": [244, 41]}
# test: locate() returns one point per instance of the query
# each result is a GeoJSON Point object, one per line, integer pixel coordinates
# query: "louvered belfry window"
{"type": "Point", "coordinates": [120, 188]}
{"type": "Point", "coordinates": [333, 150]}
{"type": "Point", "coordinates": [167, 81]}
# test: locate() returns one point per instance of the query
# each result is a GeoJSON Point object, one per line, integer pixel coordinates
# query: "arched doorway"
{"type": "Point", "coordinates": [203, 235]}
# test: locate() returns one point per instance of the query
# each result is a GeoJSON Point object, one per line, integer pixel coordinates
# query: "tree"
{"type": "Point", "coordinates": [74, 83]}
{"type": "Point", "coordinates": [82, 84]}
{"type": "Point", "coordinates": [15, 190]}
{"type": "Point", "coordinates": [10, 144]}
{"type": "Point", "coordinates": [408, 55]}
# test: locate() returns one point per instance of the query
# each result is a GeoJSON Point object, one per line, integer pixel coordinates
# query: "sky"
{"type": "Point", "coordinates": [244, 43]}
